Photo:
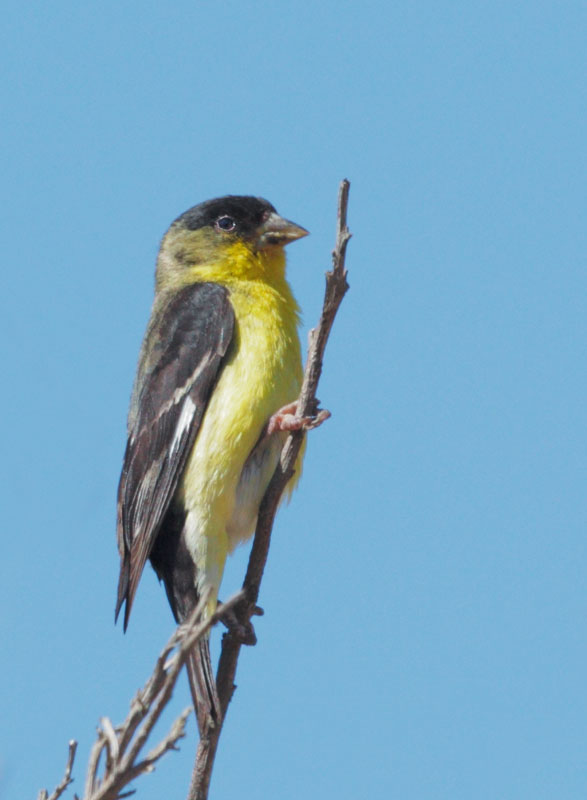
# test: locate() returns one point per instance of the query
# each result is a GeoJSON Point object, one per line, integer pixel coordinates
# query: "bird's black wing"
{"type": "Point", "coordinates": [187, 347]}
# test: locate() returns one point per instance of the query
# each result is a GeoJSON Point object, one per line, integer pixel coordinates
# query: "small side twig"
{"type": "Point", "coordinates": [336, 287]}
{"type": "Point", "coordinates": [66, 780]}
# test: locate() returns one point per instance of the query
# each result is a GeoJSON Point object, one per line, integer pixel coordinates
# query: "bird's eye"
{"type": "Point", "coordinates": [225, 223]}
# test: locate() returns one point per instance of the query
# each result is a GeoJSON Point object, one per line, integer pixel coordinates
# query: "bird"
{"type": "Point", "coordinates": [214, 396]}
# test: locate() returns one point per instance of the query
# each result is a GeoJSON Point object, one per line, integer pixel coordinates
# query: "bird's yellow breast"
{"type": "Point", "coordinates": [262, 372]}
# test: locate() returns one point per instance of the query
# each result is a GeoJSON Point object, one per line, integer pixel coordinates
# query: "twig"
{"type": "Point", "coordinates": [336, 287]}
{"type": "Point", "coordinates": [66, 780]}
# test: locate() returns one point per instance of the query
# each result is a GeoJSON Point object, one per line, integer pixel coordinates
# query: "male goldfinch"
{"type": "Point", "coordinates": [218, 370]}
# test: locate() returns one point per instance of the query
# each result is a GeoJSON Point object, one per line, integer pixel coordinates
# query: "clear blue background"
{"type": "Point", "coordinates": [425, 633]}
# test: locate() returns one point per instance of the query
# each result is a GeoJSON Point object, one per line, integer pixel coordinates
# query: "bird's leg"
{"type": "Point", "coordinates": [286, 419]}
{"type": "Point", "coordinates": [235, 626]}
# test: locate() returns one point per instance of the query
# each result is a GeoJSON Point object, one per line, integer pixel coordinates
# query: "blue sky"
{"type": "Point", "coordinates": [425, 633]}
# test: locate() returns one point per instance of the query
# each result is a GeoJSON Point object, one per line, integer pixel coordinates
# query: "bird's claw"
{"type": "Point", "coordinates": [286, 419]}
{"type": "Point", "coordinates": [244, 631]}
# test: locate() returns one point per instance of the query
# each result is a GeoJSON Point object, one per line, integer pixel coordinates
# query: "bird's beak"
{"type": "Point", "coordinates": [278, 231]}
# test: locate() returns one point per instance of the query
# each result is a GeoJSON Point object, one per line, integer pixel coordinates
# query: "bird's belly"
{"type": "Point", "coordinates": [253, 481]}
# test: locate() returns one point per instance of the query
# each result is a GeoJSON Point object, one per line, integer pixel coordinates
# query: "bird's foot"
{"type": "Point", "coordinates": [286, 419]}
{"type": "Point", "coordinates": [241, 630]}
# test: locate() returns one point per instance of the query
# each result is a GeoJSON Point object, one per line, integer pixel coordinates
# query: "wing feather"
{"type": "Point", "coordinates": [182, 356]}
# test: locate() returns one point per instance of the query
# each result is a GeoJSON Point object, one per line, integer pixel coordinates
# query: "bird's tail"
{"type": "Point", "coordinates": [203, 687]}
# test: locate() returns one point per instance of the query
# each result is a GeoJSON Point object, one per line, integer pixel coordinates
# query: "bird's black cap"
{"type": "Point", "coordinates": [247, 212]}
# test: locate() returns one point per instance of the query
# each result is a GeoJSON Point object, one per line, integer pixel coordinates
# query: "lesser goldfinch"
{"type": "Point", "coordinates": [218, 370]}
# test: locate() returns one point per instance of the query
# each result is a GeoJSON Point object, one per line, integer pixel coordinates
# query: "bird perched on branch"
{"type": "Point", "coordinates": [218, 372]}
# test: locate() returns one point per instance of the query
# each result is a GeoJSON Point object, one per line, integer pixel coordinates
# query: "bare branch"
{"type": "Point", "coordinates": [168, 743]}
{"type": "Point", "coordinates": [66, 780]}
{"type": "Point", "coordinates": [93, 764]}
{"type": "Point", "coordinates": [107, 777]}
{"type": "Point", "coordinates": [336, 287]}
{"type": "Point", "coordinates": [122, 764]}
